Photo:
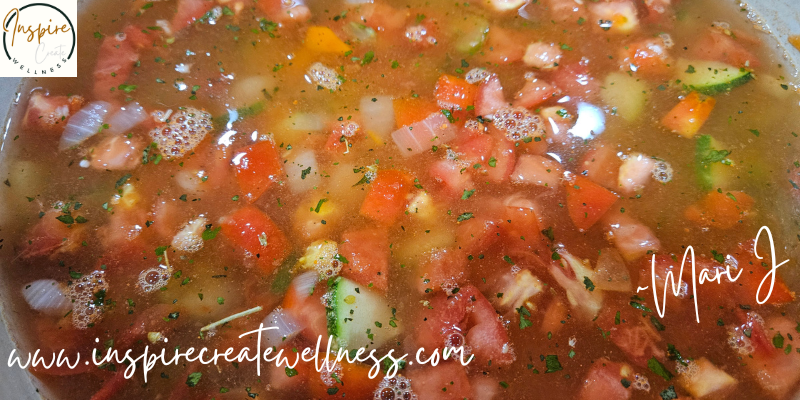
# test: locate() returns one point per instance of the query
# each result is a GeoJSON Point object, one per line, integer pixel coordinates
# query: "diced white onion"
{"type": "Point", "coordinates": [47, 296]}
{"type": "Point", "coordinates": [304, 122]}
{"type": "Point", "coordinates": [422, 136]}
{"type": "Point", "coordinates": [299, 177]}
{"type": "Point", "coordinates": [84, 124]}
{"type": "Point", "coordinates": [287, 327]}
{"type": "Point", "coordinates": [378, 114]}
{"type": "Point", "coordinates": [304, 283]}
{"type": "Point", "coordinates": [126, 118]}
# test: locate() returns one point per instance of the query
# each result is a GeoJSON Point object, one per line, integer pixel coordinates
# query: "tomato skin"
{"type": "Point", "coordinates": [247, 227]}
{"type": "Point", "coordinates": [367, 253]}
{"type": "Point", "coordinates": [587, 202]}
{"type": "Point", "coordinates": [387, 196]}
{"type": "Point", "coordinates": [719, 210]}
{"type": "Point", "coordinates": [256, 168]}
{"type": "Point", "coordinates": [688, 116]}
{"type": "Point", "coordinates": [454, 93]}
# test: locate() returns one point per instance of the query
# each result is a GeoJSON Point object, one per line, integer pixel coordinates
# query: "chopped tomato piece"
{"type": "Point", "coordinates": [753, 273]}
{"type": "Point", "coordinates": [534, 93]}
{"type": "Point", "coordinates": [721, 210]}
{"type": "Point", "coordinates": [367, 255]}
{"type": "Point", "coordinates": [476, 235]}
{"type": "Point", "coordinates": [409, 111]}
{"type": "Point", "coordinates": [453, 177]}
{"type": "Point", "coordinates": [283, 11]}
{"type": "Point", "coordinates": [633, 335]}
{"type": "Point", "coordinates": [647, 57]}
{"type": "Point", "coordinates": [689, 115]}
{"type": "Point", "coordinates": [503, 46]}
{"type": "Point", "coordinates": [575, 81]}
{"type": "Point", "coordinates": [112, 386]}
{"type": "Point", "coordinates": [50, 113]}
{"type": "Point", "coordinates": [717, 45]}
{"type": "Point", "coordinates": [454, 93]}
{"type": "Point", "coordinates": [604, 381]}
{"type": "Point", "coordinates": [387, 196]}
{"type": "Point", "coordinates": [490, 97]}
{"type": "Point", "coordinates": [190, 11]}
{"type": "Point", "coordinates": [601, 165]}
{"type": "Point", "coordinates": [254, 232]}
{"type": "Point", "coordinates": [429, 382]}
{"type": "Point", "coordinates": [442, 269]}
{"type": "Point", "coordinates": [352, 383]}
{"type": "Point", "coordinates": [116, 61]}
{"type": "Point", "coordinates": [257, 167]}
{"type": "Point", "coordinates": [587, 202]}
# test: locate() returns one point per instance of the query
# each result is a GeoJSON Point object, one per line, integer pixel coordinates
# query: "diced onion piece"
{"type": "Point", "coordinates": [47, 296]}
{"type": "Point", "coordinates": [302, 171]}
{"type": "Point", "coordinates": [421, 136]}
{"type": "Point", "coordinates": [287, 327]}
{"type": "Point", "coordinates": [305, 282]}
{"type": "Point", "coordinates": [611, 272]}
{"type": "Point", "coordinates": [701, 378]}
{"type": "Point", "coordinates": [634, 173]}
{"type": "Point", "coordinates": [587, 302]}
{"type": "Point", "coordinates": [126, 118]}
{"type": "Point", "coordinates": [632, 238]}
{"type": "Point", "coordinates": [378, 114]}
{"type": "Point", "coordinates": [84, 124]}
{"type": "Point", "coordinates": [304, 122]}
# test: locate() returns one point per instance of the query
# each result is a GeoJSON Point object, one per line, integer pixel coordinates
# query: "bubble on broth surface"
{"type": "Point", "coordinates": [689, 370]}
{"type": "Point", "coordinates": [396, 388]}
{"type": "Point", "coordinates": [739, 336]}
{"type": "Point", "coordinates": [323, 76]}
{"type": "Point", "coordinates": [640, 382]}
{"type": "Point", "coordinates": [419, 34]}
{"type": "Point", "coordinates": [182, 132]}
{"type": "Point", "coordinates": [330, 378]}
{"type": "Point", "coordinates": [518, 123]}
{"type": "Point", "coordinates": [154, 278]}
{"type": "Point", "coordinates": [662, 171]}
{"type": "Point", "coordinates": [477, 75]}
{"type": "Point", "coordinates": [88, 299]}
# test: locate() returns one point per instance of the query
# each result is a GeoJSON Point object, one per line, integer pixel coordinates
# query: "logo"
{"type": "Point", "coordinates": [39, 39]}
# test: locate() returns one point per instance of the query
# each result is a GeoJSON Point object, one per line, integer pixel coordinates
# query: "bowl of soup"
{"type": "Point", "coordinates": [407, 200]}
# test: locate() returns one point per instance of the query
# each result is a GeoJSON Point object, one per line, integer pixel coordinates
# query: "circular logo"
{"type": "Point", "coordinates": [38, 38]}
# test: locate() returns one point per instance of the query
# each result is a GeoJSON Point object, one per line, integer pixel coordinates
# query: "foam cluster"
{"type": "Point", "coordinates": [419, 34]}
{"type": "Point", "coordinates": [182, 132]}
{"type": "Point", "coordinates": [739, 336]}
{"type": "Point", "coordinates": [477, 75]}
{"type": "Point", "coordinates": [323, 76]}
{"type": "Point", "coordinates": [320, 256]}
{"type": "Point", "coordinates": [640, 382]}
{"type": "Point", "coordinates": [662, 171]}
{"type": "Point", "coordinates": [518, 123]}
{"type": "Point", "coordinates": [154, 278]}
{"type": "Point", "coordinates": [88, 294]}
{"type": "Point", "coordinates": [396, 388]}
